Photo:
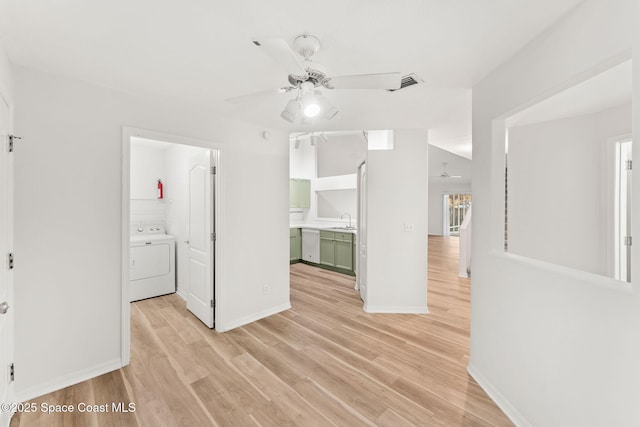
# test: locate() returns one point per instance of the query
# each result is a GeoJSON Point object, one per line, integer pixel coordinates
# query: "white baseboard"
{"type": "Point", "coordinates": [181, 294]}
{"type": "Point", "coordinates": [503, 403]}
{"type": "Point", "coordinates": [67, 380]}
{"type": "Point", "coordinates": [252, 318]}
{"type": "Point", "coordinates": [396, 309]}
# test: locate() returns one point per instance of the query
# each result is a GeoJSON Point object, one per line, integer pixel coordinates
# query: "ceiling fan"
{"type": "Point", "coordinates": [306, 78]}
{"type": "Point", "coordinates": [444, 173]}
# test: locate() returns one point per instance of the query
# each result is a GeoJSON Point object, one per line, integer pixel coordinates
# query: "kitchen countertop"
{"type": "Point", "coordinates": [327, 227]}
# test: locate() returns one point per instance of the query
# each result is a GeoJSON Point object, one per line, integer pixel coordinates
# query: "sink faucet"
{"type": "Point", "coordinates": [348, 214]}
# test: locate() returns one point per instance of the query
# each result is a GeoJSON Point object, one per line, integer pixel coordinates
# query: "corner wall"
{"type": "Point", "coordinates": [397, 195]}
{"type": "Point", "coordinates": [68, 222]}
{"type": "Point", "coordinates": [551, 345]}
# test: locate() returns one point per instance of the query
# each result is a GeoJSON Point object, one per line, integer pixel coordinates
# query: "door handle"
{"type": "Point", "coordinates": [4, 307]}
{"type": "Point", "coordinates": [186, 241]}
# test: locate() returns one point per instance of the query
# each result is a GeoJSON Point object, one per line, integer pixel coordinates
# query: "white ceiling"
{"type": "Point", "coordinates": [608, 89]}
{"type": "Point", "coordinates": [200, 51]}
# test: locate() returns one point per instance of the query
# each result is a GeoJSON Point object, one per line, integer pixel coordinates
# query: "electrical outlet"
{"type": "Point", "coordinates": [265, 289]}
{"type": "Point", "coordinates": [408, 227]}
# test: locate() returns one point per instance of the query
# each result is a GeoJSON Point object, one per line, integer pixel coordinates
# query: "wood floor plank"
{"type": "Point", "coordinates": [324, 362]}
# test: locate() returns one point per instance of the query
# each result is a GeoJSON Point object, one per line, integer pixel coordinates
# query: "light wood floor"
{"type": "Point", "coordinates": [324, 362]}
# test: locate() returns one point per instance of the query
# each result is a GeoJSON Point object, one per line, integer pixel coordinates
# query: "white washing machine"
{"type": "Point", "coordinates": [152, 262]}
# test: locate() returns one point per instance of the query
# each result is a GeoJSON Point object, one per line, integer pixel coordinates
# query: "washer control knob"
{"type": "Point", "coordinates": [140, 229]}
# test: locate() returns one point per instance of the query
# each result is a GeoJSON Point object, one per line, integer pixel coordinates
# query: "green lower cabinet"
{"type": "Point", "coordinates": [295, 245]}
{"type": "Point", "coordinates": [344, 254]}
{"type": "Point", "coordinates": [327, 248]}
{"type": "Point", "coordinates": [336, 251]}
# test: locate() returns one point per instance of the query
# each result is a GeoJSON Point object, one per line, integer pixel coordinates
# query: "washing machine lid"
{"type": "Point", "coordinates": [152, 238]}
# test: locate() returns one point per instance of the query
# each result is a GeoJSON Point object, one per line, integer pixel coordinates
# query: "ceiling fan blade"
{"type": "Point", "coordinates": [280, 52]}
{"type": "Point", "coordinates": [243, 99]}
{"type": "Point", "coordinates": [364, 81]}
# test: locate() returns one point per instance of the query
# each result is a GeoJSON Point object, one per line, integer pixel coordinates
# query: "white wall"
{"type": "Point", "coordinates": [557, 200]}
{"type": "Point", "coordinates": [341, 154]}
{"type": "Point", "coordinates": [335, 203]}
{"type": "Point", "coordinates": [553, 346]}
{"type": "Point", "coordinates": [147, 166]}
{"type": "Point", "coordinates": [6, 78]}
{"type": "Point", "coordinates": [68, 222]}
{"type": "Point", "coordinates": [177, 200]}
{"type": "Point", "coordinates": [456, 165]}
{"type": "Point", "coordinates": [397, 195]}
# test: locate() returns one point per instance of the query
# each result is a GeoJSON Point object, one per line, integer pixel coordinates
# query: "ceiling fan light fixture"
{"type": "Point", "coordinates": [311, 104]}
{"type": "Point", "coordinates": [291, 112]}
{"type": "Point", "coordinates": [311, 110]}
{"type": "Point", "coordinates": [330, 112]}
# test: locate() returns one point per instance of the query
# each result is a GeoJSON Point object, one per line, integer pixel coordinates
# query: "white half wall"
{"type": "Point", "coordinates": [68, 220]}
{"type": "Point", "coordinates": [397, 196]}
{"type": "Point", "coordinates": [553, 346]}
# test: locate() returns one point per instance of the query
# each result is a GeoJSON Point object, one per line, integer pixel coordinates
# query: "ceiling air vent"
{"type": "Point", "coordinates": [408, 80]}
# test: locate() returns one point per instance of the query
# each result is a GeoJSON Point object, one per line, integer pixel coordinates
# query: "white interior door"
{"type": "Point", "coordinates": [362, 232]}
{"type": "Point", "coordinates": [200, 295]}
{"type": "Point", "coordinates": [6, 242]}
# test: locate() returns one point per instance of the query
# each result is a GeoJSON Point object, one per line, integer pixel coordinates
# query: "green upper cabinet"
{"type": "Point", "coordinates": [299, 193]}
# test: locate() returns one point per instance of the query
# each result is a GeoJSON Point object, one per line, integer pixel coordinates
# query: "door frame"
{"type": "Point", "coordinates": [127, 133]}
{"type": "Point", "coordinates": [7, 232]}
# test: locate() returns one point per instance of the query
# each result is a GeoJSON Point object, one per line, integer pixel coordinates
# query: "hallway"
{"type": "Point", "coordinates": [324, 362]}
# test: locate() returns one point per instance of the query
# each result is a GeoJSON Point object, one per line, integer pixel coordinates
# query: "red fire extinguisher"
{"type": "Point", "coordinates": [160, 192]}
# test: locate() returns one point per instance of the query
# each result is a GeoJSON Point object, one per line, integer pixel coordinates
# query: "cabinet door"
{"type": "Point", "coordinates": [327, 251]}
{"type": "Point", "coordinates": [344, 254]}
{"type": "Point", "coordinates": [299, 193]}
{"type": "Point", "coordinates": [304, 193]}
{"type": "Point", "coordinates": [295, 245]}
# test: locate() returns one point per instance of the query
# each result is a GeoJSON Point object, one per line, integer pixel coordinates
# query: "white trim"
{"type": "Point", "coordinates": [498, 398]}
{"type": "Point", "coordinates": [568, 272]}
{"type": "Point", "coordinates": [220, 327]}
{"type": "Point", "coordinates": [67, 380]}
{"type": "Point", "coordinates": [127, 133]}
{"type": "Point", "coordinates": [181, 294]}
{"type": "Point", "coordinates": [125, 310]}
{"type": "Point", "coordinates": [418, 309]}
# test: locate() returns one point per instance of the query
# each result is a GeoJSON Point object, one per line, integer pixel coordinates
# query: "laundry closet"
{"type": "Point", "coordinates": [172, 224]}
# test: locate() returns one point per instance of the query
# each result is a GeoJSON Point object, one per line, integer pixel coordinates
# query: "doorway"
{"type": "Point", "coordinates": [171, 187]}
{"type": "Point", "coordinates": [622, 210]}
{"type": "Point", "coordinates": [456, 207]}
